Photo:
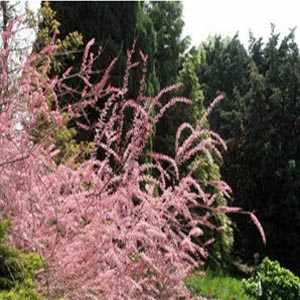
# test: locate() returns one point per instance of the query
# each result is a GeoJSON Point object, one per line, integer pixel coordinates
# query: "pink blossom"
{"type": "Point", "coordinates": [106, 230]}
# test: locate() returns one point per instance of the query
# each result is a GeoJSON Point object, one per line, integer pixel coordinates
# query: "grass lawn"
{"type": "Point", "coordinates": [217, 286]}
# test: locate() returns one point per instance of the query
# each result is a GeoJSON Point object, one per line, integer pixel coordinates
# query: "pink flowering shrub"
{"type": "Point", "coordinates": [115, 228]}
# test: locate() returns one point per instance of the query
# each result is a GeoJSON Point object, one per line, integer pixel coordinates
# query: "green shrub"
{"type": "Point", "coordinates": [273, 282]}
{"type": "Point", "coordinates": [16, 270]}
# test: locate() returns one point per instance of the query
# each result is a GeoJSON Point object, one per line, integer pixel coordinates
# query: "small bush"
{"type": "Point", "coordinates": [273, 282]}
{"type": "Point", "coordinates": [16, 270]}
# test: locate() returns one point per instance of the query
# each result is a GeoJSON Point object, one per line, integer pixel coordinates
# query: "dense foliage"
{"type": "Point", "coordinates": [17, 270]}
{"type": "Point", "coordinates": [159, 38]}
{"type": "Point", "coordinates": [273, 282]}
{"type": "Point", "coordinates": [259, 121]}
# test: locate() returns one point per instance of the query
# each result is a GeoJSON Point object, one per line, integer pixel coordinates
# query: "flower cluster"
{"type": "Point", "coordinates": [115, 227]}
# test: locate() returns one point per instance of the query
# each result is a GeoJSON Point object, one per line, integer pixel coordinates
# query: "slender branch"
{"type": "Point", "coordinates": [8, 162]}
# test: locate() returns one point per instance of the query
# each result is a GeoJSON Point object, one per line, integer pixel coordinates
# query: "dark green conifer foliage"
{"type": "Point", "coordinates": [224, 68]}
{"type": "Point", "coordinates": [168, 24]}
{"type": "Point", "coordinates": [167, 19]}
{"type": "Point", "coordinates": [260, 120]}
{"type": "Point", "coordinates": [116, 27]}
{"type": "Point", "coordinates": [271, 153]}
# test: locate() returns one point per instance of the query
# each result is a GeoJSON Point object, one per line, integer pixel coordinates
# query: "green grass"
{"type": "Point", "coordinates": [217, 286]}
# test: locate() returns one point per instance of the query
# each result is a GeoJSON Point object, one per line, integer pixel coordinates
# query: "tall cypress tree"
{"type": "Point", "coordinates": [168, 24]}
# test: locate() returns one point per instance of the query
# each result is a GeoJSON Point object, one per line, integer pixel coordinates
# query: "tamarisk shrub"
{"type": "Point", "coordinates": [115, 227]}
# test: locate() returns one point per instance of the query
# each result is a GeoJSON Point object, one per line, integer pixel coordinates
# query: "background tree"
{"type": "Point", "coordinates": [270, 151]}
{"type": "Point", "coordinates": [167, 19]}
{"type": "Point", "coordinates": [224, 68]}
{"type": "Point", "coordinates": [112, 25]}
{"type": "Point", "coordinates": [115, 26]}
{"type": "Point", "coordinates": [168, 24]}
{"type": "Point", "coordinates": [259, 119]}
